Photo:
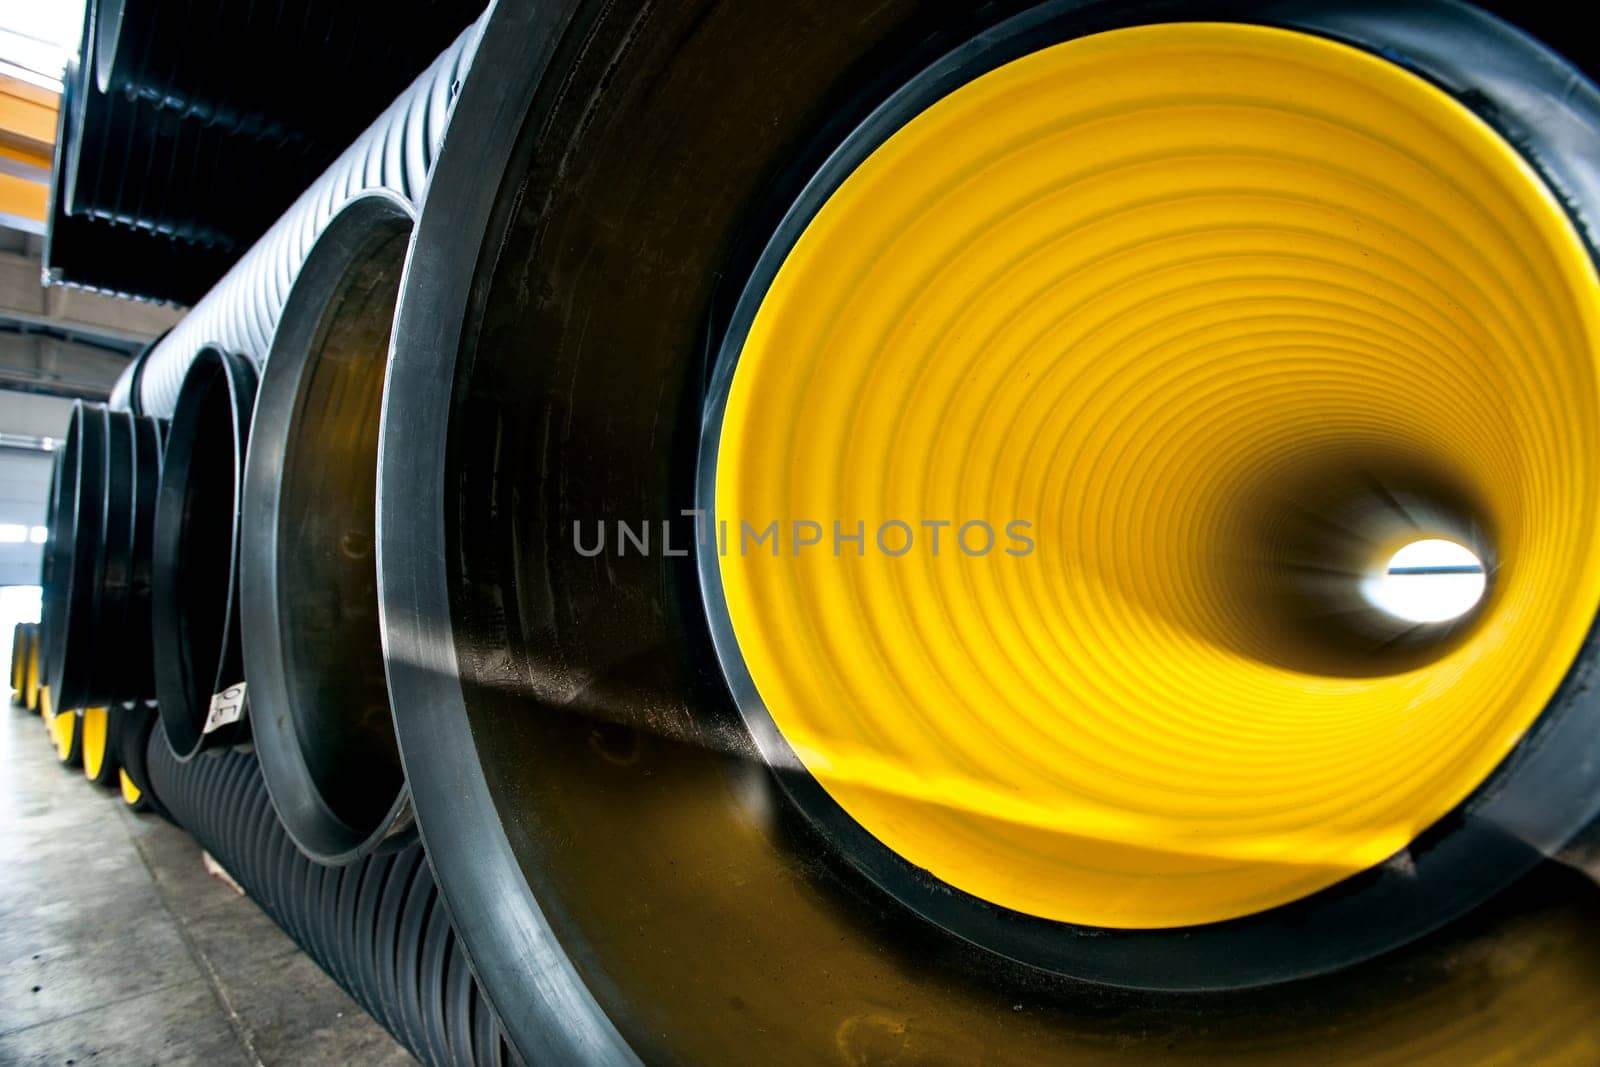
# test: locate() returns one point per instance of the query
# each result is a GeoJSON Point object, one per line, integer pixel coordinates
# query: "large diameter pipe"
{"type": "Point", "coordinates": [592, 799]}
{"type": "Point", "coordinates": [313, 652]}
{"type": "Point", "coordinates": [75, 517]}
{"type": "Point", "coordinates": [195, 609]}
{"type": "Point", "coordinates": [97, 558]}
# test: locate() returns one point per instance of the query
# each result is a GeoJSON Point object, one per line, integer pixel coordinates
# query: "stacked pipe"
{"type": "Point", "coordinates": [224, 65]}
{"type": "Point", "coordinates": [24, 665]}
{"type": "Point", "coordinates": [377, 927]}
{"type": "Point", "coordinates": [185, 132]}
{"type": "Point", "coordinates": [88, 664]}
{"type": "Point", "coordinates": [222, 196]}
{"type": "Point", "coordinates": [842, 264]}
{"type": "Point", "coordinates": [194, 613]}
{"type": "Point", "coordinates": [98, 581]}
{"type": "Point", "coordinates": [694, 805]}
{"type": "Point", "coordinates": [95, 254]}
{"type": "Point", "coordinates": [312, 638]}
{"type": "Point", "coordinates": [92, 254]}
{"type": "Point", "coordinates": [240, 313]}
{"type": "Point", "coordinates": [318, 709]}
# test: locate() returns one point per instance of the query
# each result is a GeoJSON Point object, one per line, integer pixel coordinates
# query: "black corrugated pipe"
{"type": "Point", "coordinates": [74, 525]}
{"type": "Point", "coordinates": [377, 926]}
{"type": "Point", "coordinates": [126, 161]}
{"type": "Point", "coordinates": [135, 726]}
{"type": "Point", "coordinates": [97, 559]}
{"type": "Point", "coordinates": [300, 71]}
{"type": "Point", "coordinates": [195, 607]}
{"type": "Point", "coordinates": [313, 645]}
{"type": "Point", "coordinates": [394, 153]}
{"type": "Point", "coordinates": [134, 450]}
{"type": "Point", "coordinates": [125, 391]}
{"type": "Point", "coordinates": [95, 254]}
{"type": "Point", "coordinates": [132, 163]}
{"type": "Point", "coordinates": [201, 124]}
{"type": "Point", "coordinates": [98, 254]}
{"type": "Point", "coordinates": [618, 187]}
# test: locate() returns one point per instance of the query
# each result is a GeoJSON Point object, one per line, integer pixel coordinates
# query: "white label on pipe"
{"type": "Point", "coordinates": [226, 707]}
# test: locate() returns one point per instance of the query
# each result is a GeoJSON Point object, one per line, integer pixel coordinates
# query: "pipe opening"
{"type": "Point", "coordinates": [1431, 580]}
{"type": "Point", "coordinates": [1300, 562]}
{"type": "Point", "coordinates": [314, 653]}
{"type": "Point", "coordinates": [195, 613]}
{"type": "Point", "coordinates": [1230, 316]}
{"type": "Point", "coordinates": [206, 545]}
{"type": "Point", "coordinates": [60, 546]}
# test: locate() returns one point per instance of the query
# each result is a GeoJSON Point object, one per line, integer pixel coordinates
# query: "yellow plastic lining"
{"type": "Point", "coordinates": [1130, 290]}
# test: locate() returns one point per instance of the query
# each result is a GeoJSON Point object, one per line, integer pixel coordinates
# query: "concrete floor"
{"type": "Point", "coordinates": [116, 946]}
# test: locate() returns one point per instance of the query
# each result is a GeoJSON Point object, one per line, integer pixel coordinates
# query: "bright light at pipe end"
{"type": "Point", "coordinates": [1431, 580]}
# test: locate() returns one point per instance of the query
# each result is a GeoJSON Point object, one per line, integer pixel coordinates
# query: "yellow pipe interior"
{"type": "Point", "coordinates": [94, 741]}
{"type": "Point", "coordinates": [63, 730]}
{"type": "Point", "coordinates": [1174, 295]}
{"type": "Point", "coordinates": [31, 694]}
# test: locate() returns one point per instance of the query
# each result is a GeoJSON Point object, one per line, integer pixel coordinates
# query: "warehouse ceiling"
{"type": "Point", "coordinates": [59, 341]}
